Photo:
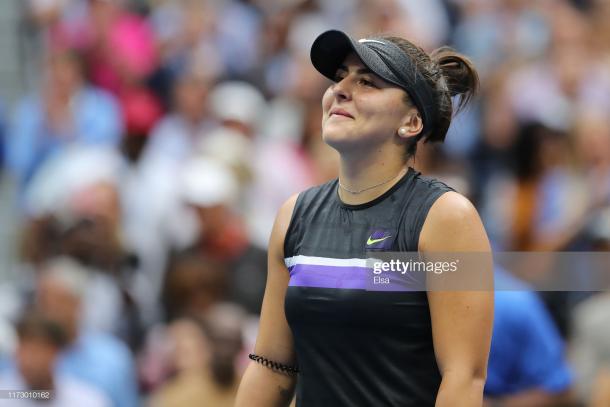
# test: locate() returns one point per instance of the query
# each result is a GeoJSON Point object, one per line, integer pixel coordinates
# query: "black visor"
{"type": "Point", "coordinates": [382, 57]}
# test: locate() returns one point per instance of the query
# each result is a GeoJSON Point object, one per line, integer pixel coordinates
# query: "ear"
{"type": "Point", "coordinates": [412, 125]}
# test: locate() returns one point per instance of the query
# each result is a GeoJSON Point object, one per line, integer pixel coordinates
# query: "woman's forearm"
{"type": "Point", "coordinates": [463, 391]}
{"type": "Point", "coordinates": [262, 387]}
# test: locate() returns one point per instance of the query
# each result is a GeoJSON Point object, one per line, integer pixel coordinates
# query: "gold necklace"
{"type": "Point", "coordinates": [356, 192]}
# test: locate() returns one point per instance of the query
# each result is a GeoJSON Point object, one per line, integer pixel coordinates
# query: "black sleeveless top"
{"type": "Point", "coordinates": [356, 345]}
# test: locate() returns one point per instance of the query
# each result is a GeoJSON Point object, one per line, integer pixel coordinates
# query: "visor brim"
{"type": "Point", "coordinates": [330, 49]}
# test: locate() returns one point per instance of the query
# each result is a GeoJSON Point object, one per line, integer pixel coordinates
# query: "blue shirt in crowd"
{"type": "Point", "coordinates": [96, 117]}
{"type": "Point", "coordinates": [527, 351]}
{"type": "Point", "coordinates": [105, 363]}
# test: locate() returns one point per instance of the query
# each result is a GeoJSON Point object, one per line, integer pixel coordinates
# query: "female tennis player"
{"type": "Point", "coordinates": [325, 328]}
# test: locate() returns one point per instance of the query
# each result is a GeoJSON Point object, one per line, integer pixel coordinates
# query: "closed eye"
{"type": "Point", "coordinates": [366, 82]}
{"type": "Point", "coordinates": [362, 77]}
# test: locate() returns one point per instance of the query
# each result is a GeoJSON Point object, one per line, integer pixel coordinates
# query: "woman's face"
{"type": "Point", "coordinates": [362, 110]}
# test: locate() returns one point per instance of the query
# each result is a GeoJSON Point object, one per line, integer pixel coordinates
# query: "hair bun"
{"type": "Point", "coordinates": [459, 73]}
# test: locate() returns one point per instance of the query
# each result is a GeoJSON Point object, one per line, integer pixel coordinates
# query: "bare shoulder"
{"type": "Point", "coordinates": [285, 212]}
{"type": "Point", "coordinates": [453, 223]}
{"type": "Point", "coordinates": [280, 227]}
{"type": "Point", "coordinates": [452, 207]}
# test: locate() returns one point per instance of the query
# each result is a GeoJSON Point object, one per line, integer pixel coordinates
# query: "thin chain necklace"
{"type": "Point", "coordinates": [356, 192]}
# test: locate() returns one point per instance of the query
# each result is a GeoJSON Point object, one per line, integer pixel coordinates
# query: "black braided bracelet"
{"type": "Point", "coordinates": [274, 365]}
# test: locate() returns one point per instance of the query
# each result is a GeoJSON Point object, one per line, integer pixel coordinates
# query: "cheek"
{"type": "Point", "coordinates": [327, 100]}
{"type": "Point", "coordinates": [379, 112]}
{"type": "Point", "coordinates": [390, 114]}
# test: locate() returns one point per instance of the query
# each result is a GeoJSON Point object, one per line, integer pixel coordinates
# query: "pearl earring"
{"type": "Point", "coordinates": [402, 131]}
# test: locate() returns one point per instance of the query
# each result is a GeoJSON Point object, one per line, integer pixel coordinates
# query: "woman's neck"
{"type": "Point", "coordinates": [366, 178]}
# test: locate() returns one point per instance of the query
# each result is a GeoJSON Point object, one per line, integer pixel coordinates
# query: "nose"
{"type": "Point", "coordinates": [341, 89]}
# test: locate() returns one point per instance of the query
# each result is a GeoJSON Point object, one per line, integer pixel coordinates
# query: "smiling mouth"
{"type": "Point", "coordinates": [340, 113]}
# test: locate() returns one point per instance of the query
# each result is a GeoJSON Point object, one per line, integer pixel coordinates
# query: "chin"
{"type": "Point", "coordinates": [344, 140]}
{"type": "Point", "coordinates": [336, 139]}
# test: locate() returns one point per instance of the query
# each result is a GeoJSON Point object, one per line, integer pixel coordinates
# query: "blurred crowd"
{"type": "Point", "coordinates": [158, 138]}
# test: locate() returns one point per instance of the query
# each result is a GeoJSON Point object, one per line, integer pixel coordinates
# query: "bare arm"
{"type": "Point", "coordinates": [462, 321]}
{"type": "Point", "coordinates": [261, 386]}
{"type": "Point", "coordinates": [601, 389]}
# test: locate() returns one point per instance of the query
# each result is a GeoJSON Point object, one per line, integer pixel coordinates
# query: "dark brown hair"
{"type": "Point", "coordinates": [450, 74]}
{"type": "Point", "coordinates": [34, 325]}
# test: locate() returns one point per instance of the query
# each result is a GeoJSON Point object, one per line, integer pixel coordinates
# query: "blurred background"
{"type": "Point", "coordinates": [146, 145]}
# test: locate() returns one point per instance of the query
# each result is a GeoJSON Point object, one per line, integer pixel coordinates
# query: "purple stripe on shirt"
{"type": "Point", "coordinates": [350, 277]}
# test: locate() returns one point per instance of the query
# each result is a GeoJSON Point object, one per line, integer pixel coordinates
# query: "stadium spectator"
{"type": "Point", "coordinates": [38, 349]}
{"type": "Point", "coordinates": [527, 361]}
{"type": "Point", "coordinates": [66, 111]}
{"type": "Point", "coordinates": [94, 357]}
